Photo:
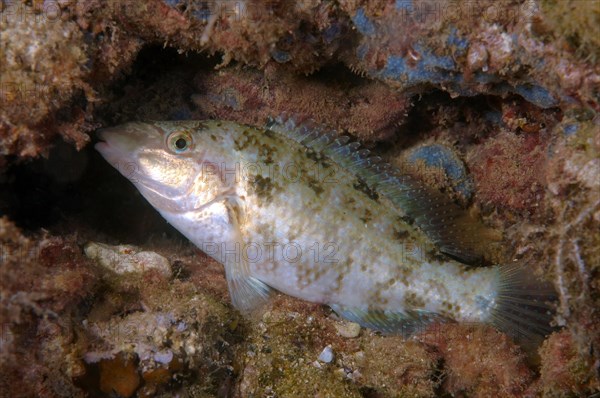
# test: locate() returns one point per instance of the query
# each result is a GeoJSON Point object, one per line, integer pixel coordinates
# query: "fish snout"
{"type": "Point", "coordinates": [126, 137]}
{"type": "Point", "coordinates": [121, 145]}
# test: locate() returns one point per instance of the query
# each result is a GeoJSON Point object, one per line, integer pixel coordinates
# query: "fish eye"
{"type": "Point", "coordinates": [179, 141]}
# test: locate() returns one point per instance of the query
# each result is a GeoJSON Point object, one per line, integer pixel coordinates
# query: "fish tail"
{"type": "Point", "coordinates": [524, 307]}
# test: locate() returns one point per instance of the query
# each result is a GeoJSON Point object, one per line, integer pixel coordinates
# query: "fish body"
{"type": "Point", "coordinates": [309, 214]}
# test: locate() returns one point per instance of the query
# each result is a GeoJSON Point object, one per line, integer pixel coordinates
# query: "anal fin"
{"type": "Point", "coordinates": [389, 322]}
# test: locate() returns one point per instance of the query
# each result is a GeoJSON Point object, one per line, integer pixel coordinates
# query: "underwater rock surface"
{"type": "Point", "coordinates": [494, 103]}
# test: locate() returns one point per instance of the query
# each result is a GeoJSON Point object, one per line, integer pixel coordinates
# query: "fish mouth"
{"type": "Point", "coordinates": [102, 144]}
{"type": "Point", "coordinates": [120, 146]}
{"type": "Point", "coordinates": [122, 141]}
{"type": "Point", "coordinates": [114, 138]}
{"type": "Point", "coordinates": [101, 135]}
{"type": "Point", "coordinates": [107, 147]}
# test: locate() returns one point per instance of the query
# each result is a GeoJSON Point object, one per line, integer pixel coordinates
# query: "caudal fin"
{"type": "Point", "coordinates": [524, 305]}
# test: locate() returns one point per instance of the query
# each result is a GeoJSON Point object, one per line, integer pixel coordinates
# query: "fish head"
{"type": "Point", "coordinates": [164, 160]}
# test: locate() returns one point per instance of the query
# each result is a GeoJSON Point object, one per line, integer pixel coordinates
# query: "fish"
{"type": "Point", "coordinates": [294, 207]}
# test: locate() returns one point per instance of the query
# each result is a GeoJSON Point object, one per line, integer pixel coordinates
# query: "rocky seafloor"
{"type": "Point", "coordinates": [496, 101]}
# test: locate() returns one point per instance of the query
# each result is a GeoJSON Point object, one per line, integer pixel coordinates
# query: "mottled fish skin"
{"type": "Point", "coordinates": [283, 215]}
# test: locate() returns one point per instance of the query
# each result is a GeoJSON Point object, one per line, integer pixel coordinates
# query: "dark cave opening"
{"type": "Point", "coordinates": [72, 190]}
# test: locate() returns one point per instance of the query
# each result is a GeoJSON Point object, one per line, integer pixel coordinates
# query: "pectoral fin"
{"type": "Point", "coordinates": [247, 293]}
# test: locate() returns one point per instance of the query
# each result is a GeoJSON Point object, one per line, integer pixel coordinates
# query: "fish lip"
{"type": "Point", "coordinates": [100, 134]}
{"type": "Point", "coordinates": [102, 143]}
{"type": "Point", "coordinates": [108, 138]}
{"type": "Point", "coordinates": [130, 128]}
{"type": "Point", "coordinates": [112, 152]}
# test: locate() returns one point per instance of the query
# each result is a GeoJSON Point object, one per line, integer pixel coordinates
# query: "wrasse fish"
{"type": "Point", "coordinates": [309, 213]}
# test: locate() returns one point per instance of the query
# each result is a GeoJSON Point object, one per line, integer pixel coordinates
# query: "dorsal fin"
{"type": "Point", "coordinates": [453, 230]}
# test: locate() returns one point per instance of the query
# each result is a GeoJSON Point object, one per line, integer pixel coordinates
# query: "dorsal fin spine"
{"type": "Point", "coordinates": [376, 173]}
